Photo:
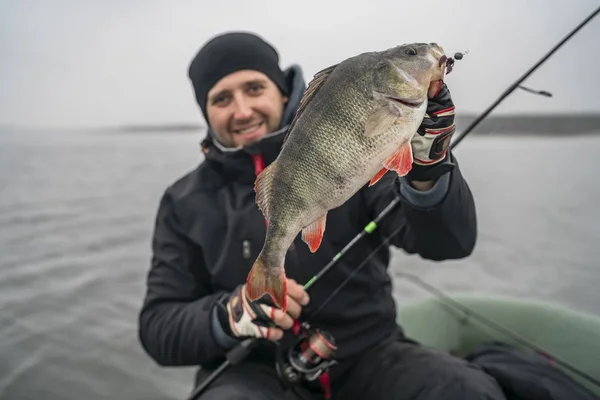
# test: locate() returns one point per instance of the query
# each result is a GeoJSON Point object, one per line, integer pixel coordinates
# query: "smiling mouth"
{"type": "Point", "coordinates": [248, 130]}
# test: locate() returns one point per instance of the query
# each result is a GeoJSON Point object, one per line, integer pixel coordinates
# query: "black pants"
{"type": "Point", "coordinates": [394, 370]}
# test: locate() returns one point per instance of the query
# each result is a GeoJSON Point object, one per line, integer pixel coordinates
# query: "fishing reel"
{"type": "Point", "coordinates": [308, 358]}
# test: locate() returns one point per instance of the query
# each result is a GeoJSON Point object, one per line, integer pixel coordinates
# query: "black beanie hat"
{"type": "Point", "coordinates": [232, 52]}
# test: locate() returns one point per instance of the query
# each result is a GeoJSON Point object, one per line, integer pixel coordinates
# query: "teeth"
{"type": "Point", "coordinates": [248, 130]}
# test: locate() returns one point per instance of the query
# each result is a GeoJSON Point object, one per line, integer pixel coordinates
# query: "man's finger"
{"type": "Point", "coordinates": [283, 320]}
{"type": "Point", "coordinates": [297, 292]}
{"type": "Point", "coordinates": [434, 88]}
{"type": "Point", "coordinates": [293, 308]}
{"type": "Point", "coordinates": [275, 334]}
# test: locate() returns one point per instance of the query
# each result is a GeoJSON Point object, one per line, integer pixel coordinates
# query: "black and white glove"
{"type": "Point", "coordinates": [241, 318]}
{"type": "Point", "coordinates": [431, 142]}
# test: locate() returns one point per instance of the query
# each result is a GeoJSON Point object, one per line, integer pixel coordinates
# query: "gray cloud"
{"type": "Point", "coordinates": [85, 63]}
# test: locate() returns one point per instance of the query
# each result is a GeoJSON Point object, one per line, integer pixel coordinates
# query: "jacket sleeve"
{"type": "Point", "coordinates": [176, 320]}
{"type": "Point", "coordinates": [438, 224]}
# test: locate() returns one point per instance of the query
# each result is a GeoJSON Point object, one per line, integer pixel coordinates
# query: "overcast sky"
{"type": "Point", "coordinates": [112, 62]}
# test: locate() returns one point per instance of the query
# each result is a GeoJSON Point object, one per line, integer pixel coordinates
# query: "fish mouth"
{"type": "Point", "coordinates": [443, 59]}
{"type": "Point", "coordinates": [411, 103]}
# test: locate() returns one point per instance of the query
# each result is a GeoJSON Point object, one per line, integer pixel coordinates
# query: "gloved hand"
{"type": "Point", "coordinates": [430, 144]}
{"type": "Point", "coordinates": [242, 318]}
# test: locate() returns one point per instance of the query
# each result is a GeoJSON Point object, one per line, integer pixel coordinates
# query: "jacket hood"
{"type": "Point", "coordinates": [238, 160]}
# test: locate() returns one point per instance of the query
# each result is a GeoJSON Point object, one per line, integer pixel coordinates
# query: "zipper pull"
{"type": "Point", "coordinates": [246, 249]}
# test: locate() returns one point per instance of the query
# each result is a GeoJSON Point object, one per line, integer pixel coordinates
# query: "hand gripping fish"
{"type": "Point", "coordinates": [354, 123]}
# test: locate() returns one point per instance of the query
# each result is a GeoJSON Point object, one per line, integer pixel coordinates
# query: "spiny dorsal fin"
{"type": "Point", "coordinates": [262, 187]}
{"type": "Point", "coordinates": [313, 87]}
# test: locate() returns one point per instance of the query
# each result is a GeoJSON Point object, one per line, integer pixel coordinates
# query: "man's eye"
{"type": "Point", "coordinates": [255, 88]}
{"type": "Point", "coordinates": [219, 100]}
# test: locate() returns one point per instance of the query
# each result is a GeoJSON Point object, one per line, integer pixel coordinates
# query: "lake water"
{"type": "Point", "coordinates": [76, 217]}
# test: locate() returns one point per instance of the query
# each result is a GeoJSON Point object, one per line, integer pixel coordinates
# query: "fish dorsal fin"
{"type": "Point", "coordinates": [313, 87]}
{"type": "Point", "coordinates": [262, 187]}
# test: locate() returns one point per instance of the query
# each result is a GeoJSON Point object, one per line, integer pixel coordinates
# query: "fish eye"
{"type": "Point", "coordinates": [411, 51]}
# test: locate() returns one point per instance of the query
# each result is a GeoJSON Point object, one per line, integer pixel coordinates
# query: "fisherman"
{"type": "Point", "coordinates": [209, 231]}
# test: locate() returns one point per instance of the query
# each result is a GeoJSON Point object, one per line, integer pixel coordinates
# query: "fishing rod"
{"type": "Point", "coordinates": [241, 351]}
{"type": "Point", "coordinates": [454, 305]}
{"type": "Point", "coordinates": [515, 85]}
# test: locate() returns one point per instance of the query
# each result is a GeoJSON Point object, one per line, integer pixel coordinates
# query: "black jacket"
{"type": "Point", "coordinates": [209, 230]}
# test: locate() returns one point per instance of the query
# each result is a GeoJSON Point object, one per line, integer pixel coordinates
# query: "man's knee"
{"type": "Point", "coordinates": [474, 384]}
{"type": "Point", "coordinates": [229, 393]}
{"type": "Point", "coordinates": [456, 378]}
{"type": "Point", "coordinates": [236, 392]}
{"type": "Point", "coordinates": [407, 371]}
{"type": "Point", "coordinates": [243, 382]}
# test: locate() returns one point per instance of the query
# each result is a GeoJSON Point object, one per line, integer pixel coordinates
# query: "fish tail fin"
{"type": "Point", "coordinates": [262, 280]}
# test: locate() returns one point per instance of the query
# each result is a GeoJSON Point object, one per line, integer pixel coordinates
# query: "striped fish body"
{"type": "Point", "coordinates": [355, 122]}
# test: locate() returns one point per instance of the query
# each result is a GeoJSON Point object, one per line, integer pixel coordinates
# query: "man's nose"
{"type": "Point", "coordinates": [242, 108]}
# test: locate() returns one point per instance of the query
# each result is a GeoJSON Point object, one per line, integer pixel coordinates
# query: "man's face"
{"type": "Point", "coordinates": [243, 107]}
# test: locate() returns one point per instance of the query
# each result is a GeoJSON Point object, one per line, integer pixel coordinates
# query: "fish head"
{"type": "Point", "coordinates": [404, 73]}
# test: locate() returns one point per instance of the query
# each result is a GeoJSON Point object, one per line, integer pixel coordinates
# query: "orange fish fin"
{"type": "Point", "coordinates": [313, 234]}
{"type": "Point", "coordinates": [401, 161]}
{"type": "Point", "coordinates": [378, 176]}
{"type": "Point", "coordinates": [261, 281]}
{"type": "Point", "coordinates": [262, 187]}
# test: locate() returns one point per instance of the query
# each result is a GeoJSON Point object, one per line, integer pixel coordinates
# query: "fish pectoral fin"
{"type": "Point", "coordinates": [401, 161]}
{"type": "Point", "coordinates": [262, 187]}
{"type": "Point", "coordinates": [380, 121]}
{"type": "Point", "coordinates": [313, 234]}
{"type": "Point", "coordinates": [378, 176]}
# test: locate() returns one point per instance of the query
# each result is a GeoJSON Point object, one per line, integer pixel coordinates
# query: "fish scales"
{"type": "Point", "coordinates": [355, 121]}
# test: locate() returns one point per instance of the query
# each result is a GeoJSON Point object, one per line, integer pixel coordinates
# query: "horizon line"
{"type": "Point", "coordinates": [188, 126]}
